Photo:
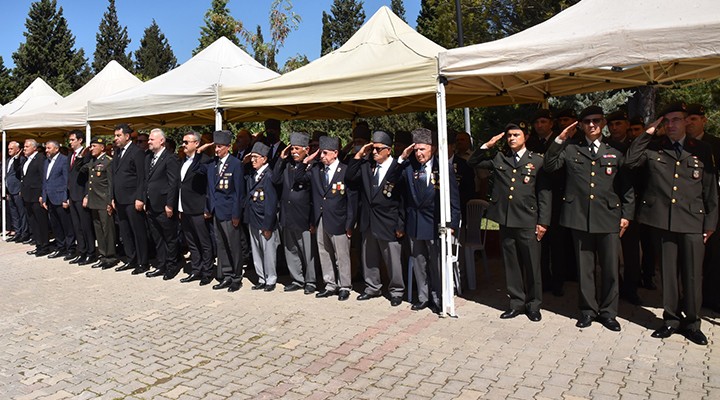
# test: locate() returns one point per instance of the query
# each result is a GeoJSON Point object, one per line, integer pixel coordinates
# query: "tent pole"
{"type": "Point", "coordinates": [4, 192]}
{"type": "Point", "coordinates": [218, 119]}
{"type": "Point", "coordinates": [88, 134]}
{"type": "Point", "coordinates": [446, 257]}
{"type": "Point", "coordinates": [466, 112]}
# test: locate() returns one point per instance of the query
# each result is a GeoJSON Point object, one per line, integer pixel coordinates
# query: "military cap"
{"type": "Point", "coordinates": [272, 124]}
{"type": "Point", "coordinates": [98, 140]}
{"type": "Point", "coordinates": [382, 137]}
{"type": "Point", "coordinates": [677, 106]}
{"type": "Point", "coordinates": [329, 143]}
{"type": "Point", "coordinates": [260, 148]}
{"type": "Point", "coordinates": [542, 113]}
{"type": "Point", "coordinates": [361, 131]}
{"type": "Point", "coordinates": [637, 121]}
{"type": "Point", "coordinates": [301, 139]}
{"type": "Point", "coordinates": [222, 137]}
{"type": "Point", "coordinates": [517, 124]}
{"type": "Point", "coordinates": [422, 136]}
{"type": "Point", "coordinates": [591, 110]}
{"type": "Point", "coordinates": [696, 109]}
{"type": "Point", "coordinates": [566, 113]}
{"type": "Point", "coordinates": [403, 137]}
{"type": "Point", "coordinates": [317, 135]}
{"type": "Point", "coordinates": [619, 115]}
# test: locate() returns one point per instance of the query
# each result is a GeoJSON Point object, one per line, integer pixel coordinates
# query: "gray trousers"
{"type": "Point", "coordinates": [374, 250]}
{"type": "Point", "coordinates": [104, 233]}
{"type": "Point", "coordinates": [334, 253]}
{"type": "Point", "coordinates": [425, 256]}
{"type": "Point", "coordinates": [264, 253]}
{"type": "Point", "coordinates": [521, 256]}
{"type": "Point", "coordinates": [229, 252]}
{"type": "Point", "coordinates": [298, 255]}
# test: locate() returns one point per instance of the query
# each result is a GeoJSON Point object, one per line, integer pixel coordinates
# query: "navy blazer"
{"type": "Point", "coordinates": [295, 198]}
{"type": "Point", "coordinates": [13, 181]}
{"type": "Point", "coordinates": [336, 203]}
{"type": "Point", "coordinates": [226, 189]}
{"type": "Point", "coordinates": [55, 185]}
{"type": "Point", "coordinates": [261, 202]}
{"type": "Point", "coordinates": [423, 202]}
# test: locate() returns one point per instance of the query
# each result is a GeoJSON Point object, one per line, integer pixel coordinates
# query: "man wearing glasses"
{"type": "Point", "coordinates": [382, 215]}
{"type": "Point", "coordinates": [597, 207]}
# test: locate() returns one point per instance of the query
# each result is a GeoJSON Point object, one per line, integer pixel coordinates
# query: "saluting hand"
{"type": "Point", "coordinates": [311, 157]}
{"type": "Point", "coordinates": [284, 153]}
{"type": "Point", "coordinates": [568, 132]}
{"type": "Point", "coordinates": [363, 151]}
{"type": "Point", "coordinates": [490, 143]}
{"type": "Point", "coordinates": [653, 127]}
{"type": "Point", "coordinates": [408, 150]}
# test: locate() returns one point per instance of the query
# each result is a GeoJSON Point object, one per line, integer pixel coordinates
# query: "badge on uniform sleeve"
{"type": "Point", "coordinates": [696, 174]}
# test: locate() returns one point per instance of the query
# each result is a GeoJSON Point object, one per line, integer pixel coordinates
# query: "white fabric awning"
{"type": "Point", "coordinates": [38, 94]}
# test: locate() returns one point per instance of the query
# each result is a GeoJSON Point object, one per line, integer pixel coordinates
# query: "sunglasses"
{"type": "Point", "coordinates": [185, 142]}
{"type": "Point", "coordinates": [379, 149]}
{"type": "Point", "coordinates": [595, 121]}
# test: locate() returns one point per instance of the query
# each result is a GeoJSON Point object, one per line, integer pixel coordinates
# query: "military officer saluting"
{"type": "Point", "coordinates": [521, 204]}
{"type": "Point", "coordinates": [99, 200]}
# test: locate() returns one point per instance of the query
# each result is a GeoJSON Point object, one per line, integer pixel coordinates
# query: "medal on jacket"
{"type": "Point", "coordinates": [608, 171]}
{"type": "Point", "coordinates": [696, 174]}
{"type": "Point", "coordinates": [387, 190]}
{"type": "Point", "coordinates": [255, 196]}
{"type": "Point", "coordinates": [526, 179]}
{"type": "Point", "coordinates": [338, 187]}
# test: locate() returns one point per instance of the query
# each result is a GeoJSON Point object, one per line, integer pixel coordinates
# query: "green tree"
{"type": "Point", "coordinates": [294, 63]}
{"type": "Point", "coordinates": [398, 8]}
{"type": "Point", "coordinates": [345, 18]}
{"type": "Point", "coordinates": [218, 23]}
{"type": "Point", "coordinates": [112, 41]}
{"type": "Point", "coordinates": [7, 91]}
{"type": "Point", "coordinates": [48, 51]}
{"type": "Point", "coordinates": [282, 21]}
{"type": "Point", "coordinates": [155, 56]}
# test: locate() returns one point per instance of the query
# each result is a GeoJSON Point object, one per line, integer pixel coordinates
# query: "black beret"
{"type": "Point", "coordinates": [361, 131]}
{"type": "Point", "coordinates": [329, 143]}
{"type": "Point", "coordinates": [222, 137]}
{"type": "Point", "coordinates": [696, 109]}
{"type": "Point", "coordinates": [272, 124]}
{"type": "Point", "coordinates": [542, 113]}
{"type": "Point", "coordinates": [382, 137]}
{"type": "Point", "coordinates": [566, 113]}
{"type": "Point", "coordinates": [592, 110]}
{"type": "Point", "coordinates": [517, 124]}
{"type": "Point", "coordinates": [98, 140]}
{"type": "Point", "coordinates": [678, 106]}
{"type": "Point", "coordinates": [301, 139]}
{"type": "Point", "coordinates": [637, 121]}
{"type": "Point", "coordinates": [619, 115]}
{"type": "Point", "coordinates": [261, 149]}
{"type": "Point", "coordinates": [422, 136]}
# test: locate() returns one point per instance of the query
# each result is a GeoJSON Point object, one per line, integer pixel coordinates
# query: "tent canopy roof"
{"type": "Point", "coordinates": [591, 46]}
{"type": "Point", "coordinates": [36, 95]}
{"type": "Point", "coordinates": [386, 67]}
{"type": "Point", "coordinates": [71, 112]}
{"type": "Point", "coordinates": [186, 95]}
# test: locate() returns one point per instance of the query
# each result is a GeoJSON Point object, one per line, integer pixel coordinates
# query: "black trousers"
{"type": "Point", "coordinates": [81, 218]}
{"type": "Point", "coordinates": [38, 218]}
{"type": "Point", "coordinates": [18, 215]}
{"type": "Point", "coordinates": [630, 242]}
{"type": "Point", "coordinates": [133, 233]}
{"type": "Point", "coordinates": [197, 237]}
{"type": "Point", "coordinates": [606, 247]}
{"type": "Point", "coordinates": [521, 256]}
{"type": "Point", "coordinates": [62, 228]}
{"type": "Point", "coordinates": [164, 233]}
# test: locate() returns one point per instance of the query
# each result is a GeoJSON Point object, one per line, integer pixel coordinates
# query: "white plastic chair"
{"type": "Point", "coordinates": [475, 239]}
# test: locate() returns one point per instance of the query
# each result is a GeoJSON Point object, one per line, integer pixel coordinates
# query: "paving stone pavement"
{"type": "Point", "coordinates": [81, 333]}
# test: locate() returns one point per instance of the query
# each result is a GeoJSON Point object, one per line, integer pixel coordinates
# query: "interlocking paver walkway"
{"type": "Point", "coordinates": [81, 333]}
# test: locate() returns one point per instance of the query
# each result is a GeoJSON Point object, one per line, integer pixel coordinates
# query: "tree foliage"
{"type": "Point", "coordinates": [48, 51]}
{"type": "Point", "coordinates": [282, 22]}
{"type": "Point", "coordinates": [7, 93]}
{"type": "Point", "coordinates": [398, 8]}
{"type": "Point", "coordinates": [294, 63]}
{"type": "Point", "coordinates": [218, 23]}
{"type": "Point", "coordinates": [154, 57]}
{"type": "Point", "coordinates": [112, 41]}
{"type": "Point", "coordinates": [345, 18]}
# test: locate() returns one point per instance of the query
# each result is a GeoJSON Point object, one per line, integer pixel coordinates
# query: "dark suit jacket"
{"type": "Point", "coordinates": [295, 198]}
{"type": "Point", "coordinates": [77, 178]}
{"type": "Point", "coordinates": [383, 209]}
{"type": "Point", "coordinates": [194, 188]}
{"type": "Point", "coordinates": [423, 202]}
{"type": "Point", "coordinates": [681, 194]}
{"type": "Point", "coordinates": [261, 202]}
{"type": "Point", "coordinates": [226, 189]}
{"type": "Point", "coordinates": [465, 177]}
{"type": "Point", "coordinates": [13, 178]}
{"type": "Point", "coordinates": [273, 159]}
{"type": "Point", "coordinates": [529, 202]}
{"type": "Point", "coordinates": [336, 203]}
{"type": "Point", "coordinates": [129, 175]}
{"type": "Point", "coordinates": [55, 189]}
{"type": "Point", "coordinates": [32, 180]}
{"type": "Point", "coordinates": [597, 193]}
{"type": "Point", "coordinates": [162, 181]}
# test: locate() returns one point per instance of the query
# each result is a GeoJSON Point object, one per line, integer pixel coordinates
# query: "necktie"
{"type": "Point", "coordinates": [327, 175]}
{"type": "Point", "coordinates": [376, 178]}
{"type": "Point", "coordinates": [120, 152]}
{"type": "Point", "coordinates": [593, 152]}
{"type": "Point", "coordinates": [422, 177]}
{"type": "Point", "coordinates": [516, 158]}
{"type": "Point", "coordinates": [152, 162]}
{"type": "Point", "coordinates": [678, 149]}
{"type": "Point", "coordinates": [72, 160]}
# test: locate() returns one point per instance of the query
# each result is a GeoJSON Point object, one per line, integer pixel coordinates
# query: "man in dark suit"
{"type": "Point", "coordinates": [382, 215]}
{"type": "Point", "coordinates": [55, 200]}
{"type": "Point", "coordinates": [680, 203]}
{"type": "Point", "coordinates": [421, 180]}
{"type": "Point", "coordinates": [98, 199]}
{"type": "Point", "coordinates": [129, 200]}
{"type": "Point", "coordinates": [261, 203]}
{"type": "Point", "coordinates": [334, 212]}
{"type": "Point", "coordinates": [13, 174]}
{"type": "Point", "coordinates": [33, 176]}
{"type": "Point", "coordinates": [162, 178]}
{"type": "Point", "coordinates": [598, 206]}
{"type": "Point", "coordinates": [272, 140]}
{"type": "Point", "coordinates": [226, 190]}
{"type": "Point", "coordinates": [521, 204]}
{"type": "Point", "coordinates": [464, 174]}
{"type": "Point", "coordinates": [192, 205]}
{"type": "Point", "coordinates": [295, 210]}
{"type": "Point", "coordinates": [80, 216]}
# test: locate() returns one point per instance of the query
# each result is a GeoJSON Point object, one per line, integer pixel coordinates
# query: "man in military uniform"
{"type": "Point", "coordinates": [597, 207]}
{"type": "Point", "coordinates": [98, 199]}
{"type": "Point", "coordinates": [521, 204]}
{"type": "Point", "coordinates": [680, 203]}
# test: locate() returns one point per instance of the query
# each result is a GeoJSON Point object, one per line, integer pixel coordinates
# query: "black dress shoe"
{"type": "Point", "coordinates": [223, 285]}
{"type": "Point", "coordinates": [584, 321]}
{"type": "Point", "coordinates": [534, 316]}
{"type": "Point", "coordinates": [10, 238]}
{"type": "Point", "coordinates": [107, 264]}
{"type": "Point", "coordinates": [31, 252]}
{"type": "Point", "coordinates": [269, 288]}
{"type": "Point", "coordinates": [42, 253]}
{"type": "Point", "coordinates": [258, 286]}
{"type": "Point", "coordinates": [190, 278]}
{"type": "Point", "coordinates": [367, 296]}
{"type": "Point", "coordinates": [206, 280]}
{"type": "Point", "coordinates": [125, 267]}
{"type": "Point", "coordinates": [696, 336]}
{"type": "Point", "coordinates": [56, 254]}
{"type": "Point", "coordinates": [170, 273]}
{"type": "Point", "coordinates": [234, 287]}
{"type": "Point", "coordinates": [98, 264]}
{"type": "Point", "coordinates": [27, 240]}
{"type": "Point", "coordinates": [75, 259]}
{"type": "Point", "coordinates": [70, 256]}
{"type": "Point", "coordinates": [292, 287]}
{"type": "Point", "coordinates": [395, 301]}
{"type": "Point", "coordinates": [343, 295]}
{"type": "Point", "coordinates": [153, 273]}
{"type": "Point", "coordinates": [88, 260]}
{"type": "Point", "coordinates": [609, 323]}
{"type": "Point", "coordinates": [309, 289]}
{"type": "Point", "coordinates": [511, 313]}
{"type": "Point", "coordinates": [419, 306]}
{"type": "Point", "coordinates": [327, 293]}
{"type": "Point", "coordinates": [664, 332]}
{"type": "Point", "coordinates": [141, 269]}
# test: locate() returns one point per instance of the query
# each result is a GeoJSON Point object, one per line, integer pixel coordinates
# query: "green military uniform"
{"type": "Point", "coordinates": [98, 199]}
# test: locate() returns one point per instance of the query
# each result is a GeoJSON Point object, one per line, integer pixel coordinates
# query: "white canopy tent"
{"type": "Point", "coordinates": [37, 95]}
{"type": "Point", "coordinates": [71, 112]}
{"type": "Point", "coordinates": [186, 95]}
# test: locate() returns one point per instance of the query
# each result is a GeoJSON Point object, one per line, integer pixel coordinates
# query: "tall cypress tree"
{"type": "Point", "coordinates": [345, 18]}
{"type": "Point", "coordinates": [398, 8]}
{"type": "Point", "coordinates": [155, 56]}
{"type": "Point", "coordinates": [218, 23]}
{"type": "Point", "coordinates": [112, 41]}
{"type": "Point", "coordinates": [7, 92]}
{"type": "Point", "coordinates": [48, 51]}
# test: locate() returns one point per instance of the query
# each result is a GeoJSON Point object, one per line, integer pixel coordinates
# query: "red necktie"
{"type": "Point", "coordinates": [72, 160]}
